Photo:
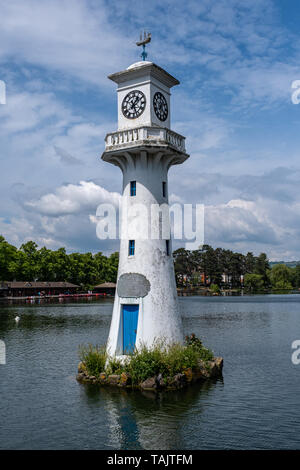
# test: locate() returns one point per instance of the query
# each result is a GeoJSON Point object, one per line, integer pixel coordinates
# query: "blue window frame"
{"type": "Point", "coordinates": [164, 186]}
{"type": "Point", "coordinates": [132, 188]}
{"type": "Point", "coordinates": [131, 248]}
{"type": "Point", "coordinates": [168, 247]}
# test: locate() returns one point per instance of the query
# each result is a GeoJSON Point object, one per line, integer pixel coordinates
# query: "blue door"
{"type": "Point", "coordinates": [130, 320]}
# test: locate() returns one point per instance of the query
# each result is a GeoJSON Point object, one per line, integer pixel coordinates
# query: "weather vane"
{"type": "Point", "coordinates": [143, 42]}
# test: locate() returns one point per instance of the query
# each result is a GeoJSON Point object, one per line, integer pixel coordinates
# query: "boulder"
{"type": "Point", "coordinates": [125, 380]}
{"type": "Point", "coordinates": [113, 379]}
{"type": "Point", "coordinates": [102, 378]}
{"type": "Point", "coordinates": [81, 367]}
{"type": "Point", "coordinates": [216, 367]}
{"type": "Point", "coordinates": [211, 369]}
{"type": "Point", "coordinates": [203, 370]}
{"type": "Point", "coordinates": [189, 374]}
{"type": "Point", "coordinates": [80, 377]}
{"type": "Point", "coordinates": [149, 384]}
{"type": "Point", "coordinates": [160, 382]}
{"type": "Point", "coordinates": [177, 382]}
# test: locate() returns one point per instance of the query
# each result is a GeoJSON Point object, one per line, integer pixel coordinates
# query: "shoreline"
{"type": "Point", "coordinates": [94, 297]}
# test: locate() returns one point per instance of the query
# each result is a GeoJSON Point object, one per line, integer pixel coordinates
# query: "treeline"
{"type": "Point", "coordinates": [28, 263]}
{"type": "Point", "coordinates": [225, 268]}
{"type": "Point", "coordinates": [206, 266]}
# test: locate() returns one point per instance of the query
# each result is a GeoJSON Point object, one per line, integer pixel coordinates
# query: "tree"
{"type": "Point", "coordinates": [261, 267]}
{"type": "Point", "coordinates": [249, 262]}
{"type": "Point", "coordinates": [296, 276]}
{"type": "Point", "coordinates": [112, 267]}
{"type": "Point", "coordinates": [281, 276]}
{"type": "Point", "coordinates": [28, 266]}
{"type": "Point", "coordinates": [253, 282]}
{"type": "Point", "coordinates": [183, 265]}
{"type": "Point", "coordinates": [8, 257]}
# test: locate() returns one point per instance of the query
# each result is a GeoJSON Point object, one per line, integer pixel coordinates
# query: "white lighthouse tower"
{"type": "Point", "coordinates": [144, 148]}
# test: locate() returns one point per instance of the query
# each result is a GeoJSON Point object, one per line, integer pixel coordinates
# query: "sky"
{"type": "Point", "coordinates": [236, 62]}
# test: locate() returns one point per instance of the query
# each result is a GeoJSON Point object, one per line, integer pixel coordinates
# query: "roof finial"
{"type": "Point", "coordinates": [143, 42]}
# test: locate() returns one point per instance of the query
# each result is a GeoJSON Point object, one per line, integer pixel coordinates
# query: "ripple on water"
{"type": "Point", "coordinates": [255, 406]}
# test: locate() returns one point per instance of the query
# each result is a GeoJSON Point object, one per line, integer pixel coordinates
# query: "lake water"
{"type": "Point", "coordinates": [255, 406]}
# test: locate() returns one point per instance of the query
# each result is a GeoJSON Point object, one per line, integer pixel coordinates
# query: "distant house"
{"type": "Point", "coordinates": [108, 288]}
{"type": "Point", "coordinates": [25, 289]}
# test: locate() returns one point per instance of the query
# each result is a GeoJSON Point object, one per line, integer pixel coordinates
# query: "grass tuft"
{"type": "Point", "coordinates": [94, 357]}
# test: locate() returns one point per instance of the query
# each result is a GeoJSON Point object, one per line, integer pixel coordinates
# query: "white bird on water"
{"type": "Point", "coordinates": [17, 319]}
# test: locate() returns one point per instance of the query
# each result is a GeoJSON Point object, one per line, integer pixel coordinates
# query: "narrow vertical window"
{"type": "Point", "coordinates": [168, 247]}
{"type": "Point", "coordinates": [131, 248]}
{"type": "Point", "coordinates": [132, 188]}
{"type": "Point", "coordinates": [164, 184]}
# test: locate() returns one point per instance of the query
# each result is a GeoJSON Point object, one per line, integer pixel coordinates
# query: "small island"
{"type": "Point", "coordinates": [161, 367]}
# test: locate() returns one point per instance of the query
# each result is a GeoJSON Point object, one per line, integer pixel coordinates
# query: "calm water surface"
{"type": "Point", "coordinates": [256, 406]}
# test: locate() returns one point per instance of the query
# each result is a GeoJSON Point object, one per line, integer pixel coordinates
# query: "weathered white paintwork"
{"type": "Point", "coordinates": [144, 149]}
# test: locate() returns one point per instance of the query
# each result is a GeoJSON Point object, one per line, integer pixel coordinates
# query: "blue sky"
{"type": "Point", "coordinates": [236, 62]}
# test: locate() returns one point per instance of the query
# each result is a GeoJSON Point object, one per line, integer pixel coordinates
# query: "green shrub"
{"type": "Point", "coordinates": [195, 343]}
{"type": "Point", "coordinates": [114, 366]}
{"type": "Point", "coordinates": [214, 288]}
{"type": "Point", "coordinates": [146, 362]}
{"type": "Point", "coordinates": [94, 358]}
{"type": "Point", "coordinates": [167, 360]}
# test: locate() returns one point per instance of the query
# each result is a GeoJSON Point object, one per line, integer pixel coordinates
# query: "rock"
{"type": "Point", "coordinates": [113, 379]}
{"type": "Point", "coordinates": [177, 382]}
{"type": "Point", "coordinates": [211, 369]}
{"type": "Point", "coordinates": [203, 370]}
{"type": "Point", "coordinates": [125, 379]}
{"type": "Point", "coordinates": [149, 384]}
{"type": "Point", "coordinates": [160, 382]}
{"type": "Point", "coordinates": [81, 367]}
{"type": "Point", "coordinates": [216, 367]}
{"type": "Point", "coordinates": [189, 374]}
{"type": "Point", "coordinates": [102, 377]}
{"type": "Point", "coordinates": [198, 375]}
{"type": "Point", "coordinates": [219, 362]}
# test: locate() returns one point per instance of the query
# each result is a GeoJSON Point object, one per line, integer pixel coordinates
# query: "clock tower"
{"type": "Point", "coordinates": [143, 95]}
{"type": "Point", "coordinates": [144, 148]}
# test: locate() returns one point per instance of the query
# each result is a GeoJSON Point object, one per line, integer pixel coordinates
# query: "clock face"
{"type": "Point", "coordinates": [160, 106]}
{"type": "Point", "coordinates": [133, 104]}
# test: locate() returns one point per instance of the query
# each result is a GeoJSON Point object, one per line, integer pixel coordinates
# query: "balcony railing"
{"type": "Point", "coordinates": [144, 135]}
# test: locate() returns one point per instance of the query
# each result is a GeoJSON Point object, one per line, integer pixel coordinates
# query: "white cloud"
{"type": "Point", "coordinates": [69, 36]}
{"type": "Point", "coordinates": [73, 199]}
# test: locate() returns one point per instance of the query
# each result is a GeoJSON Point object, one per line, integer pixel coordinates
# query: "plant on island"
{"type": "Point", "coordinates": [161, 359]}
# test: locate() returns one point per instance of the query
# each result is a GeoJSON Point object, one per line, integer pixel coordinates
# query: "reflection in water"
{"type": "Point", "coordinates": [146, 420]}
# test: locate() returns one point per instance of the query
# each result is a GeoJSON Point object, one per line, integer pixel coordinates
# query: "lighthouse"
{"type": "Point", "coordinates": [144, 148]}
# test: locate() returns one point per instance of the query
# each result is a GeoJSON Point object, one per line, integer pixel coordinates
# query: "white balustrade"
{"type": "Point", "coordinates": [142, 134]}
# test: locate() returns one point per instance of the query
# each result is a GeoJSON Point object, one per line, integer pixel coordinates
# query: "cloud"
{"type": "Point", "coordinates": [65, 157]}
{"type": "Point", "coordinates": [73, 199]}
{"type": "Point", "coordinates": [72, 37]}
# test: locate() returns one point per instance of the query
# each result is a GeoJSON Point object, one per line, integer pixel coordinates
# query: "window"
{"type": "Point", "coordinates": [131, 248]}
{"type": "Point", "coordinates": [164, 185]}
{"type": "Point", "coordinates": [168, 247]}
{"type": "Point", "coordinates": [132, 188]}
